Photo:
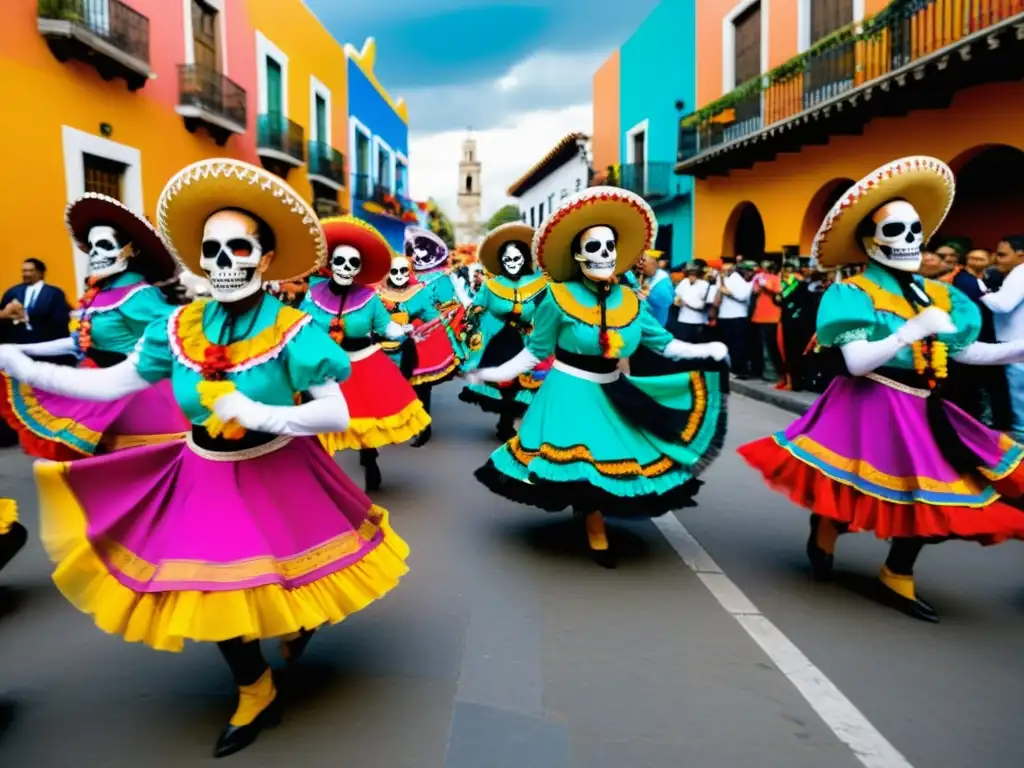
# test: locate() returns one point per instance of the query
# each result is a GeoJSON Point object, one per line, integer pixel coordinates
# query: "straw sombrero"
{"type": "Point", "coordinates": [364, 237]}
{"type": "Point", "coordinates": [151, 255]}
{"type": "Point", "coordinates": [924, 182]}
{"type": "Point", "coordinates": [204, 188]}
{"type": "Point", "coordinates": [620, 209]}
{"type": "Point", "coordinates": [489, 253]}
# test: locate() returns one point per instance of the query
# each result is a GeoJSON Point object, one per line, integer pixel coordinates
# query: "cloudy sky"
{"type": "Point", "coordinates": [518, 72]}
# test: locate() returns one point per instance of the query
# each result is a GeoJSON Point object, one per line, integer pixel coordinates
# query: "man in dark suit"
{"type": "Point", "coordinates": [34, 311]}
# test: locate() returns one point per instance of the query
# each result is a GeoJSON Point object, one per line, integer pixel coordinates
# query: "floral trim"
{"type": "Point", "coordinates": [525, 292]}
{"type": "Point", "coordinates": [848, 337]}
{"type": "Point", "coordinates": [616, 317]}
{"type": "Point", "coordinates": [190, 346]}
{"type": "Point", "coordinates": [580, 453]}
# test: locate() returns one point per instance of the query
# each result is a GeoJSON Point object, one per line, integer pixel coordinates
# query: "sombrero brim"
{"type": "Point", "coordinates": [926, 183]}
{"type": "Point", "coordinates": [203, 188]}
{"type": "Point", "coordinates": [151, 254]}
{"type": "Point", "coordinates": [627, 213]}
{"type": "Point", "coordinates": [364, 237]}
{"type": "Point", "coordinates": [489, 253]}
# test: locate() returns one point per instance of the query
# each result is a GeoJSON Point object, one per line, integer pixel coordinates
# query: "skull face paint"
{"type": "Point", "coordinates": [512, 260]}
{"type": "Point", "coordinates": [399, 273]}
{"type": "Point", "coordinates": [898, 237]}
{"type": "Point", "coordinates": [597, 253]}
{"type": "Point", "coordinates": [232, 257]}
{"type": "Point", "coordinates": [107, 256]}
{"type": "Point", "coordinates": [346, 263]}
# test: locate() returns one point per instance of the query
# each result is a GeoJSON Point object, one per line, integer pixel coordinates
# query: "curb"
{"type": "Point", "coordinates": [772, 397]}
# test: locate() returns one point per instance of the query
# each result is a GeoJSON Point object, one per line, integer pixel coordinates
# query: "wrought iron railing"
{"type": "Point", "coordinates": [650, 180]}
{"type": "Point", "coordinates": [362, 186]}
{"type": "Point", "coordinates": [275, 131]}
{"type": "Point", "coordinates": [120, 25]}
{"type": "Point", "coordinates": [208, 89]}
{"type": "Point", "coordinates": [905, 31]}
{"type": "Point", "coordinates": [326, 161]}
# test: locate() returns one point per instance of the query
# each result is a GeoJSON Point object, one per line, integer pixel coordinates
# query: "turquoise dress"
{"type": "Point", "coordinates": [119, 315]}
{"type": "Point", "coordinates": [404, 305]}
{"type": "Point", "coordinates": [367, 318]}
{"type": "Point", "coordinates": [447, 303]}
{"type": "Point", "coordinates": [624, 447]}
{"type": "Point", "coordinates": [499, 302]}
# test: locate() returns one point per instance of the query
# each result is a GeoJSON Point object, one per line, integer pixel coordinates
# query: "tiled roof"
{"type": "Point", "coordinates": [559, 154]}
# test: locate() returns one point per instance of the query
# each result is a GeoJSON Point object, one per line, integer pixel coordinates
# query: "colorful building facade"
{"type": "Point", "coordinates": [379, 142]}
{"type": "Point", "coordinates": [791, 110]}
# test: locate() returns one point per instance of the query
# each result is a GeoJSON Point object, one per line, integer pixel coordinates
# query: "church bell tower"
{"type": "Point", "coordinates": [469, 228]}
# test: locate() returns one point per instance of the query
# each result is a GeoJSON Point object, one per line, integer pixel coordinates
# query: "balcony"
{"type": "Point", "coordinates": [652, 181]}
{"type": "Point", "coordinates": [207, 98]}
{"type": "Point", "coordinates": [914, 55]}
{"type": "Point", "coordinates": [280, 143]}
{"type": "Point", "coordinates": [109, 35]}
{"type": "Point", "coordinates": [380, 200]}
{"type": "Point", "coordinates": [362, 186]}
{"type": "Point", "coordinates": [326, 165]}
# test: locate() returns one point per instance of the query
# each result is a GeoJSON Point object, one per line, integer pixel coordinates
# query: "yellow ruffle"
{"type": "Point", "coordinates": [375, 433]}
{"type": "Point", "coordinates": [192, 343]}
{"type": "Point", "coordinates": [164, 621]}
{"type": "Point", "coordinates": [8, 515]}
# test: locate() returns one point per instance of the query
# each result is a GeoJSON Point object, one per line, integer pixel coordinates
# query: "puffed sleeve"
{"type": "Point", "coordinates": [154, 358]}
{"type": "Point", "coordinates": [312, 358]}
{"type": "Point", "coordinates": [144, 307]}
{"type": "Point", "coordinates": [546, 323]}
{"type": "Point", "coordinates": [379, 317]}
{"type": "Point", "coordinates": [846, 314]}
{"type": "Point", "coordinates": [966, 317]}
{"type": "Point", "coordinates": [421, 305]}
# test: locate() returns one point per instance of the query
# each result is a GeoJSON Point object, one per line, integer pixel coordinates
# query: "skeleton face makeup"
{"type": "Point", "coordinates": [898, 237]}
{"type": "Point", "coordinates": [512, 260]}
{"type": "Point", "coordinates": [232, 258]}
{"type": "Point", "coordinates": [399, 273]}
{"type": "Point", "coordinates": [107, 256]}
{"type": "Point", "coordinates": [346, 263]}
{"type": "Point", "coordinates": [597, 253]}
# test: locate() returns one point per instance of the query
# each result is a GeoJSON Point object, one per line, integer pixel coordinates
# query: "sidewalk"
{"type": "Point", "coordinates": [794, 402]}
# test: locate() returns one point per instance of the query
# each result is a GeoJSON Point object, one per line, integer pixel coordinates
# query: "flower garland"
{"type": "Point", "coordinates": [85, 323]}
{"type": "Point", "coordinates": [337, 329]}
{"type": "Point", "coordinates": [933, 356]}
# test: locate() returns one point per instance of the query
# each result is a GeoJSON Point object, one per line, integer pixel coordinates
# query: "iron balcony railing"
{"type": "Point", "coordinates": [906, 30]}
{"type": "Point", "coordinates": [362, 186]}
{"type": "Point", "coordinates": [209, 90]}
{"type": "Point", "coordinates": [649, 180]}
{"type": "Point", "coordinates": [120, 25]}
{"type": "Point", "coordinates": [276, 132]}
{"type": "Point", "coordinates": [326, 161]}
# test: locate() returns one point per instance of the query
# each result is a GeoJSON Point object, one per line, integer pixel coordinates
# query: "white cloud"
{"type": "Point", "coordinates": [506, 153]}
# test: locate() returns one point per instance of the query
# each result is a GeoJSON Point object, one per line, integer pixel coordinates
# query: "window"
{"type": "Point", "coordinates": [469, 155]}
{"type": "Point", "coordinates": [469, 185]}
{"type": "Point", "coordinates": [829, 15]}
{"type": "Point", "coordinates": [204, 36]}
{"type": "Point", "coordinates": [834, 71]}
{"type": "Point", "coordinates": [321, 120]}
{"type": "Point", "coordinates": [551, 201]}
{"type": "Point", "coordinates": [522, 217]}
{"type": "Point", "coordinates": [533, 219]}
{"type": "Point", "coordinates": [747, 49]}
{"type": "Point", "coordinates": [565, 192]}
{"type": "Point", "coordinates": [401, 177]}
{"type": "Point", "coordinates": [325, 200]}
{"type": "Point", "coordinates": [383, 168]}
{"type": "Point", "coordinates": [275, 92]}
{"type": "Point", "coordinates": [540, 212]}
{"type": "Point", "coordinates": [103, 176]}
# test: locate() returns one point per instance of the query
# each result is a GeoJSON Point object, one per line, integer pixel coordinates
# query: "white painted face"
{"type": "Point", "coordinates": [346, 263]}
{"type": "Point", "coordinates": [400, 272]}
{"type": "Point", "coordinates": [513, 260]}
{"type": "Point", "coordinates": [898, 237]}
{"type": "Point", "coordinates": [107, 256]}
{"type": "Point", "coordinates": [232, 258]}
{"type": "Point", "coordinates": [597, 254]}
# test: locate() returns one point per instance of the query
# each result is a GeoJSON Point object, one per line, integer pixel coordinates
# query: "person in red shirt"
{"type": "Point", "coordinates": [764, 321]}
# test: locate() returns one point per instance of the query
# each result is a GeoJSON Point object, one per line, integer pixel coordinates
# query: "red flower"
{"type": "Point", "coordinates": [215, 363]}
{"type": "Point", "coordinates": [337, 330]}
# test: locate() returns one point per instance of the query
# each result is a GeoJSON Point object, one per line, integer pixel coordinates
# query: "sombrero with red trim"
{"type": "Point", "coordinates": [627, 213]}
{"type": "Point", "coordinates": [489, 253]}
{"type": "Point", "coordinates": [376, 253]}
{"type": "Point", "coordinates": [151, 254]}
{"type": "Point", "coordinates": [924, 182]}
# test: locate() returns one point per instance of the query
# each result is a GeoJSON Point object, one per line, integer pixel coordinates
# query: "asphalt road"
{"type": "Point", "coordinates": [505, 647]}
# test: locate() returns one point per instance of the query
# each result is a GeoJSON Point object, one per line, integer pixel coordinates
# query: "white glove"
{"type": "Point", "coordinates": [930, 322]}
{"type": "Point", "coordinates": [396, 331]}
{"type": "Point", "coordinates": [102, 385]}
{"type": "Point", "coordinates": [474, 377]}
{"type": "Point", "coordinates": [681, 350]}
{"type": "Point", "coordinates": [14, 362]}
{"type": "Point", "coordinates": [521, 363]}
{"type": "Point", "coordinates": [55, 348]}
{"type": "Point", "coordinates": [328, 412]}
{"type": "Point", "coordinates": [981, 353]}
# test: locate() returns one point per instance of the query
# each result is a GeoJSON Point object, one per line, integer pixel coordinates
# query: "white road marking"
{"type": "Point", "coordinates": [839, 713]}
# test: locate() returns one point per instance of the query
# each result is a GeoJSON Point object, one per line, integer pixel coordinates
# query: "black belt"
{"type": "Point", "coordinates": [356, 345]}
{"type": "Point", "coordinates": [201, 437]}
{"type": "Point", "coordinates": [588, 363]}
{"type": "Point", "coordinates": [105, 359]}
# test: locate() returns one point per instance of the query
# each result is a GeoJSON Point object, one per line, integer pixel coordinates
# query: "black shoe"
{"type": "Point", "coordinates": [821, 561]}
{"type": "Point", "coordinates": [604, 558]}
{"type": "Point", "coordinates": [422, 439]}
{"type": "Point", "coordinates": [236, 738]}
{"type": "Point", "coordinates": [12, 542]}
{"type": "Point", "coordinates": [916, 609]}
{"type": "Point", "coordinates": [372, 474]}
{"type": "Point", "coordinates": [295, 648]}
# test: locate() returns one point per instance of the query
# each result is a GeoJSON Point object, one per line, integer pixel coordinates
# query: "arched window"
{"type": "Point", "coordinates": [469, 184]}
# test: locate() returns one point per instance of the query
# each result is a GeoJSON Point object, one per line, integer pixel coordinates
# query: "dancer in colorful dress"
{"type": "Point", "coordinates": [126, 256]}
{"type": "Point", "coordinates": [431, 261]}
{"type": "Point", "coordinates": [383, 407]}
{"type": "Point", "coordinates": [248, 530]}
{"type": "Point", "coordinates": [594, 439]}
{"type": "Point", "coordinates": [881, 450]}
{"type": "Point", "coordinates": [500, 321]}
{"type": "Point", "coordinates": [426, 356]}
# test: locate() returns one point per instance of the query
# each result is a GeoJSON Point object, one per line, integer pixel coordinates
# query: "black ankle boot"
{"type": "Point", "coordinates": [12, 542]}
{"type": "Point", "coordinates": [422, 438]}
{"type": "Point", "coordinates": [372, 475]}
{"type": "Point", "coordinates": [821, 561]}
{"type": "Point", "coordinates": [235, 738]}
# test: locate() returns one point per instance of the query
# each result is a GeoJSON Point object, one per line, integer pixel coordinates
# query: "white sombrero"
{"type": "Point", "coordinates": [924, 182]}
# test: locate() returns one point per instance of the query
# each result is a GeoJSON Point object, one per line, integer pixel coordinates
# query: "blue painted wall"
{"type": "Point", "coordinates": [657, 67]}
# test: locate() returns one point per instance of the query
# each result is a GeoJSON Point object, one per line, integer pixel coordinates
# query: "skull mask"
{"type": "Point", "coordinates": [399, 273]}
{"type": "Point", "coordinates": [346, 263]}
{"type": "Point", "coordinates": [897, 238]}
{"type": "Point", "coordinates": [107, 256]}
{"type": "Point", "coordinates": [597, 253]}
{"type": "Point", "coordinates": [233, 257]}
{"type": "Point", "coordinates": [512, 260]}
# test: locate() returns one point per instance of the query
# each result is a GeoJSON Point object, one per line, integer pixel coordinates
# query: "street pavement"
{"type": "Point", "coordinates": [505, 647]}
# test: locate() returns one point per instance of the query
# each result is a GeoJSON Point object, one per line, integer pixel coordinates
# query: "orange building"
{"type": "Point", "coordinates": [606, 138]}
{"type": "Point", "coordinates": [799, 98]}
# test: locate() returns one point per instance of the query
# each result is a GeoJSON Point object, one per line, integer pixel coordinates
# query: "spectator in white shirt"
{"type": "Point", "coordinates": [732, 293]}
{"type": "Point", "coordinates": [1007, 305]}
{"type": "Point", "coordinates": [692, 296]}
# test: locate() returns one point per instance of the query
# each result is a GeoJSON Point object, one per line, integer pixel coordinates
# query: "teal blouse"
{"type": "Point", "coordinates": [440, 285]}
{"type": "Point", "coordinates": [570, 318]}
{"type": "Point", "coordinates": [121, 312]}
{"type": "Point", "coordinates": [364, 312]}
{"type": "Point", "coordinates": [498, 296]}
{"type": "Point", "coordinates": [278, 352]}
{"type": "Point", "coordinates": [871, 307]}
